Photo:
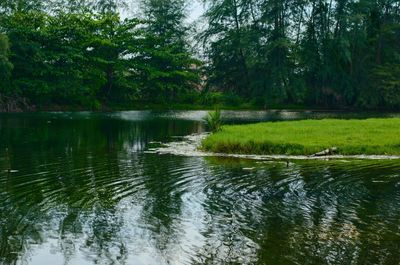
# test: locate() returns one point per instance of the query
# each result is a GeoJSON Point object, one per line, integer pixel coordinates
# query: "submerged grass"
{"type": "Point", "coordinates": [351, 137]}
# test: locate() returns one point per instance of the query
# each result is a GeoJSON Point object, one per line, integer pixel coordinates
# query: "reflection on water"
{"type": "Point", "coordinates": [79, 189]}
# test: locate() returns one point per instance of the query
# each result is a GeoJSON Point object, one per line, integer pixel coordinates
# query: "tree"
{"type": "Point", "coordinates": [329, 53]}
{"type": "Point", "coordinates": [166, 65]}
{"type": "Point", "coordinates": [320, 52]}
{"type": "Point", "coordinates": [11, 6]}
{"type": "Point", "coordinates": [5, 64]}
{"type": "Point", "coordinates": [230, 36]}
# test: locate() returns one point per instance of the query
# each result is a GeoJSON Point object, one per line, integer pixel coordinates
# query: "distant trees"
{"type": "Point", "coordinates": [329, 53]}
{"type": "Point", "coordinates": [68, 58]}
{"type": "Point", "coordinates": [319, 52]}
{"type": "Point", "coordinates": [82, 53]}
{"type": "Point", "coordinates": [165, 58]}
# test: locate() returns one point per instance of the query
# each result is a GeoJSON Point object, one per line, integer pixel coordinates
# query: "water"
{"type": "Point", "coordinates": [83, 189]}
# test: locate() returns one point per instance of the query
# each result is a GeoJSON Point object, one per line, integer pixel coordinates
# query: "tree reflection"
{"type": "Point", "coordinates": [86, 188]}
{"type": "Point", "coordinates": [307, 213]}
{"type": "Point", "coordinates": [71, 178]}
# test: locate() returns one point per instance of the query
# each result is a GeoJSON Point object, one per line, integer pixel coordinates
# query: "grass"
{"type": "Point", "coordinates": [307, 137]}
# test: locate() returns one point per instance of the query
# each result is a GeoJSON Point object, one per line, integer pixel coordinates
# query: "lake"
{"type": "Point", "coordinates": [83, 188]}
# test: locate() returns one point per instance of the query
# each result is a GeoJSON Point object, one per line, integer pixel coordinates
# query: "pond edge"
{"type": "Point", "coordinates": [190, 146]}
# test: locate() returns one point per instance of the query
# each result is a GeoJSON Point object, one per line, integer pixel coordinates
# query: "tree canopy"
{"type": "Point", "coordinates": [327, 53]}
{"type": "Point", "coordinates": [315, 52]}
{"type": "Point", "coordinates": [82, 53]}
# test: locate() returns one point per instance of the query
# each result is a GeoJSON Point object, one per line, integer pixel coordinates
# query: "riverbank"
{"type": "Point", "coordinates": [20, 104]}
{"type": "Point", "coordinates": [177, 106]}
{"type": "Point", "coordinates": [140, 106]}
{"type": "Point", "coordinates": [308, 137]}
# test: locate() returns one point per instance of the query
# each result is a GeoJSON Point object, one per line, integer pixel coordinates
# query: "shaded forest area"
{"type": "Point", "coordinates": [262, 53]}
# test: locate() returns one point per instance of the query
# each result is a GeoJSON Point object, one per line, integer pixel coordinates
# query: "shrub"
{"type": "Point", "coordinates": [214, 120]}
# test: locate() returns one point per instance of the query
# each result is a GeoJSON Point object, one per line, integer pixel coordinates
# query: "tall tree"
{"type": "Point", "coordinates": [168, 67]}
{"type": "Point", "coordinates": [228, 44]}
{"type": "Point", "coordinates": [321, 52]}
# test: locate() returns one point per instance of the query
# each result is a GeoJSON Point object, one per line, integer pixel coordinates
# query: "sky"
{"type": "Point", "coordinates": [195, 9]}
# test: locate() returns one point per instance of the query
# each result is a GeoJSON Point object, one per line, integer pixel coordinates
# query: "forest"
{"type": "Point", "coordinates": [91, 54]}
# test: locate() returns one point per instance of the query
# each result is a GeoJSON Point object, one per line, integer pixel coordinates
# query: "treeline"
{"type": "Point", "coordinates": [83, 54]}
{"type": "Point", "coordinates": [327, 53]}
{"type": "Point", "coordinates": [313, 52]}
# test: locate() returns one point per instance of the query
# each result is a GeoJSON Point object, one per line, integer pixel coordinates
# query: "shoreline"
{"type": "Point", "coordinates": [196, 108]}
{"type": "Point", "coordinates": [188, 106]}
{"type": "Point", "coordinates": [191, 146]}
{"type": "Point", "coordinates": [368, 137]}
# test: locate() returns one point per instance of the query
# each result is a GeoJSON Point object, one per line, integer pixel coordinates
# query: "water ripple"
{"type": "Point", "coordinates": [102, 203]}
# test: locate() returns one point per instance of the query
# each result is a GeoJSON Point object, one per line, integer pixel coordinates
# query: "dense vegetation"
{"type": "Point", "coordinates": [318, 52]}
{"type": "Point", "coordinates": [86, 55]}
{"type": "Point", "coordinates": [328, 53]}
{"type": "Point", "coordinates": [307, 137]}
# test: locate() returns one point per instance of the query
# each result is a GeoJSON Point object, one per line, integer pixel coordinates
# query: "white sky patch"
{"type": "Point", "coordinates": [195, 10]}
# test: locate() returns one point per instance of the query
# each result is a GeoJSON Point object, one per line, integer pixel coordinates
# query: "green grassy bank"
{"type": "Point", "coordinates": [351, 137]}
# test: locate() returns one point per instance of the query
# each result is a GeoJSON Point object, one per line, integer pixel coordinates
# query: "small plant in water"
{"type": "Point", "coordinates": [214, 120]}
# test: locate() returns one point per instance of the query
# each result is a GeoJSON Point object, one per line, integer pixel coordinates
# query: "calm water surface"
{"type": "Point", "coordinates": [81, 189]}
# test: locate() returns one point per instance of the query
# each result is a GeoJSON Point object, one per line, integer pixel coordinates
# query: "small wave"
{"type": "Point", "coordinates": [190, 146]}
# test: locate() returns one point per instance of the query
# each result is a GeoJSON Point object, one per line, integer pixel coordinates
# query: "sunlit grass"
{"type": "Point", "coordinates": [351, 137]}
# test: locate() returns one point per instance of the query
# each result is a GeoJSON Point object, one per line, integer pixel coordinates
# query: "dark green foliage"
{"type": "Point", "coordinates": [316, 52]}
{"type": "Point", "coordinates": [9, 100]}
{"type": "Point", "coordinates": [167, 67]}
{"type": "Point", "coordinates": [267, 53]}
{"type": "Point", "coordinates": [386, 80]}
{"type": "Point", "coordinates": [69, 58]}
{"type": "Point", "coordinates": [5, 64]}
{"type": "Point", "coordinates": [81, 53]}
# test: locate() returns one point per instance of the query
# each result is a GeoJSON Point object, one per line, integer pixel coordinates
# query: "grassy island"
{"type": "Point", "coordinates": [307, 137]}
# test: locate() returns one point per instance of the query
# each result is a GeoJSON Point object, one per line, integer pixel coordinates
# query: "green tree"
{"type": "Point", "coordinates": [228, 45]}
{"type": "Point", "coordinates": [72, 58]}
{"type": "Point", "coordinates": [5, 64]}
{"type": "Point", "coordinates": [330, 53]}
{"type": "Point", "coordinates": [167, 67]}
{"type": "Point", "coordinates": [326, 53]}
